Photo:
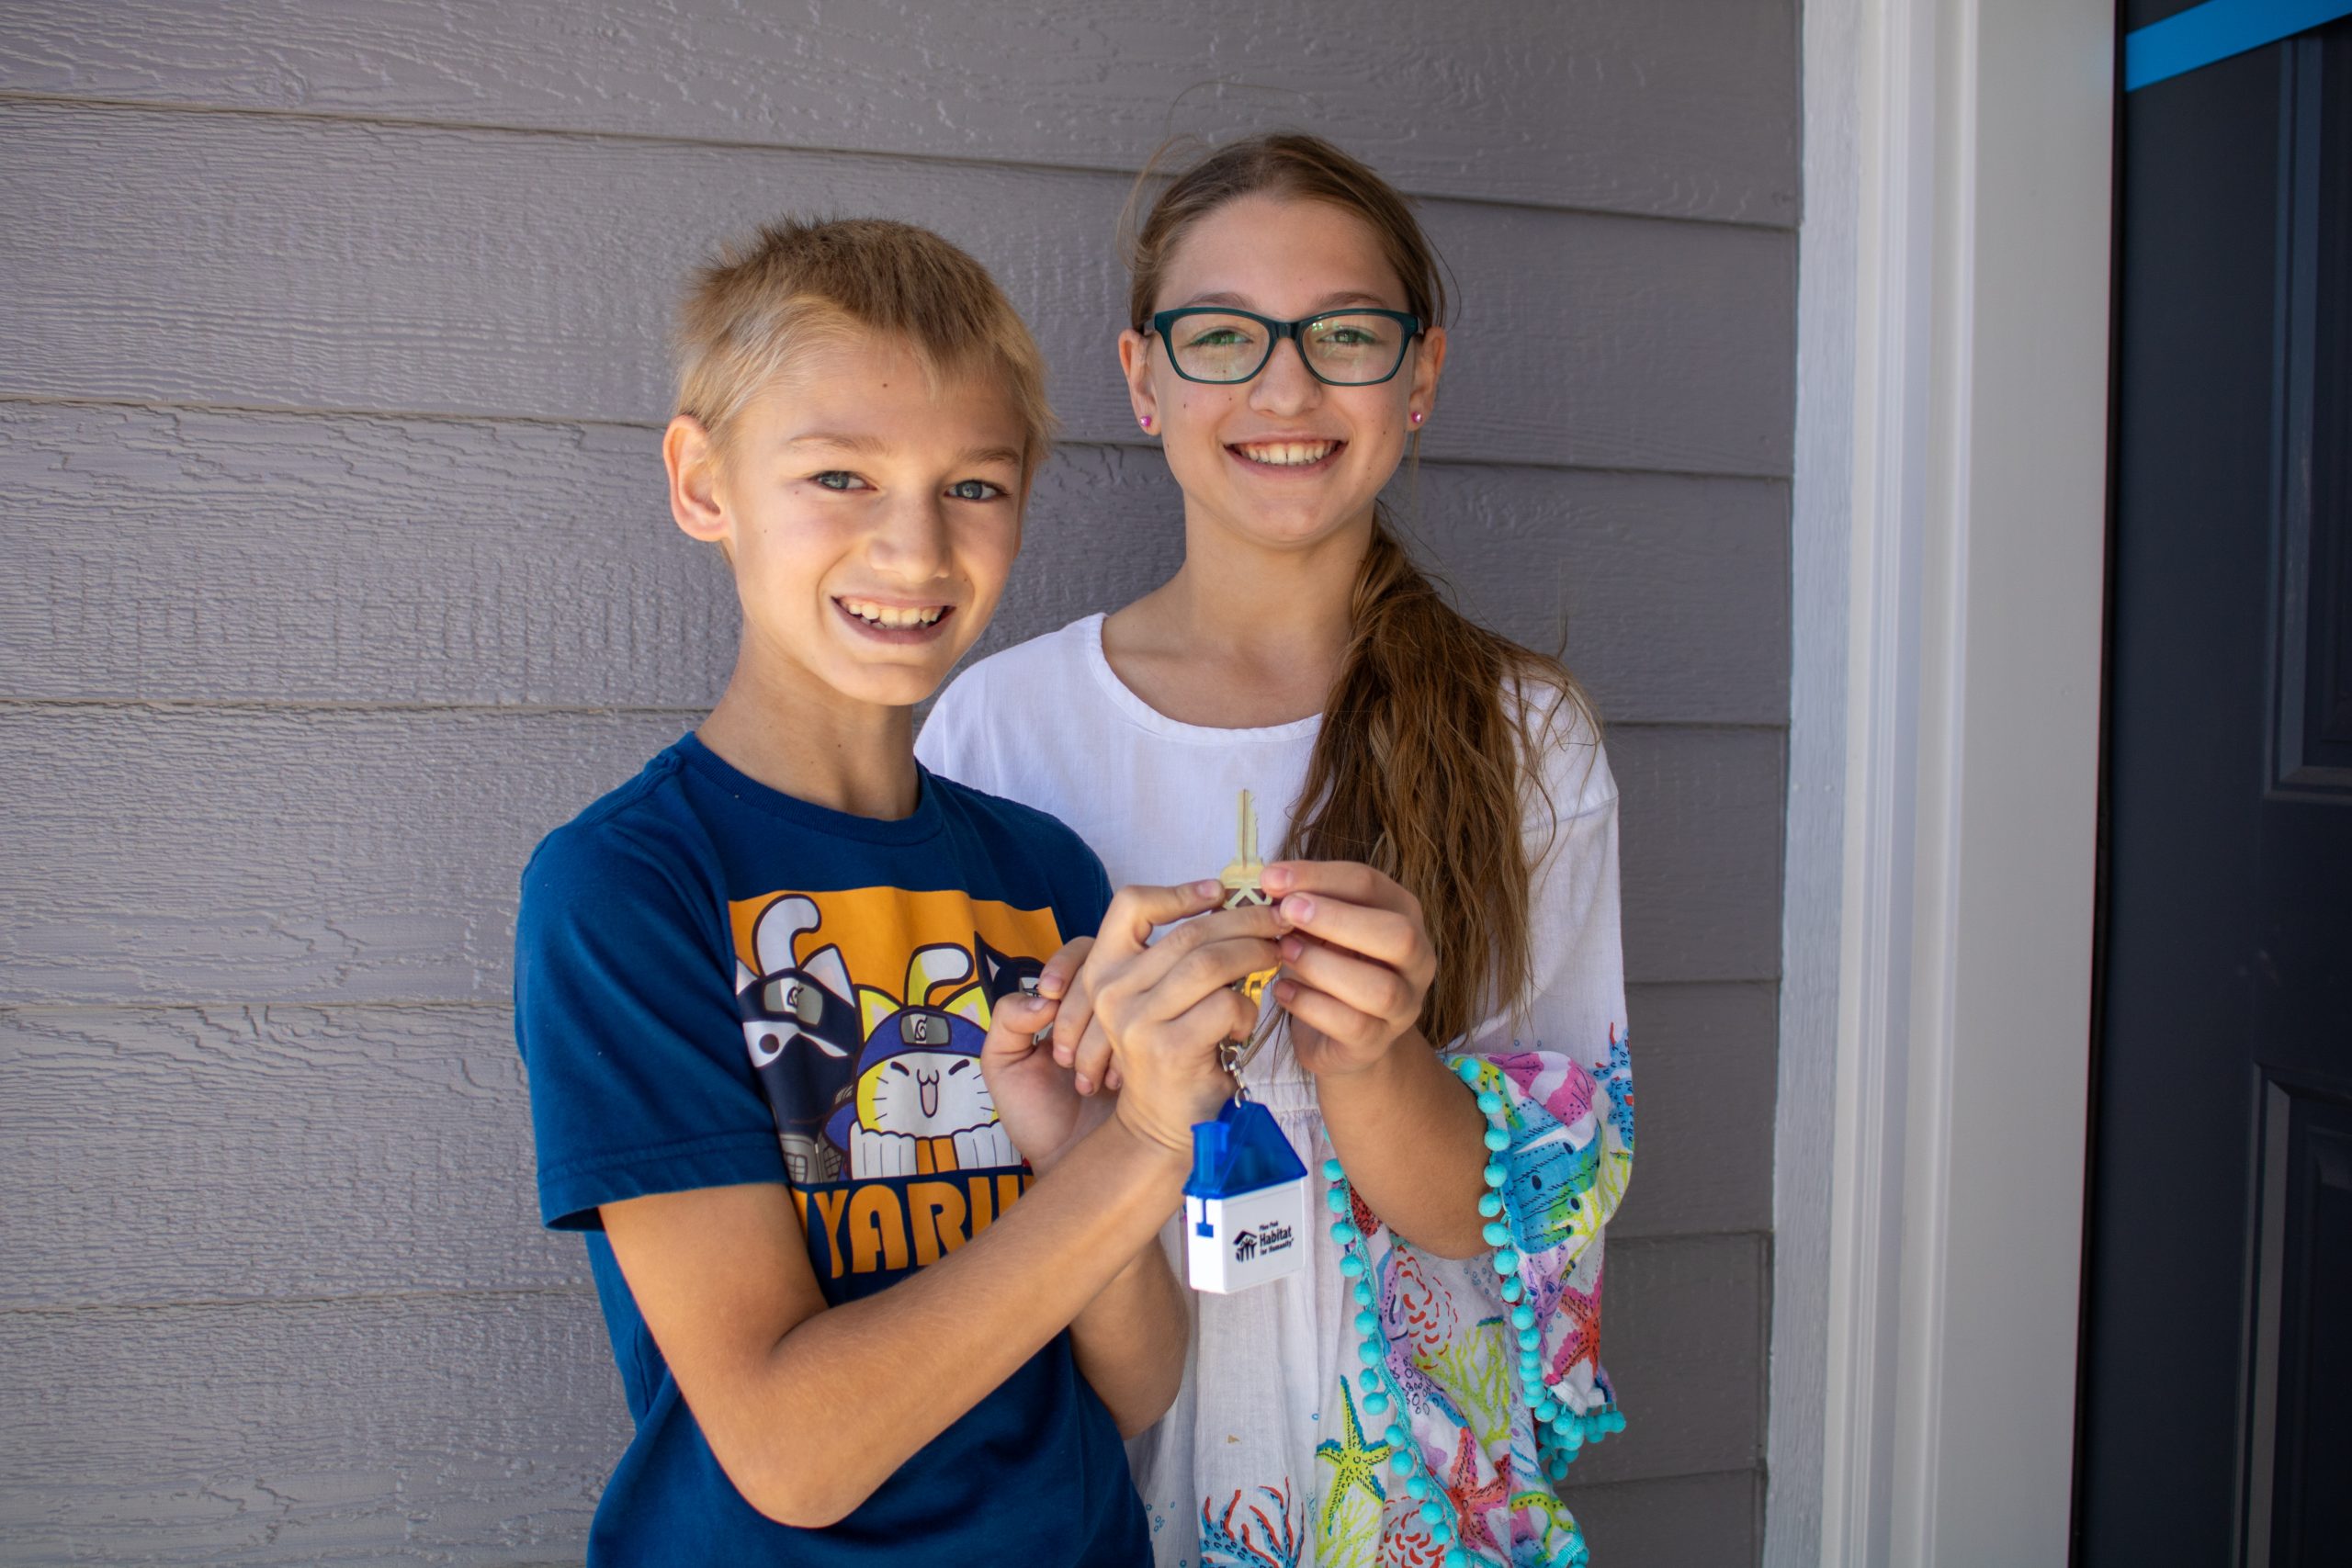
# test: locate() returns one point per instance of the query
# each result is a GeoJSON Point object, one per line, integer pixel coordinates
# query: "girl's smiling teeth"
{"type": "Point", "coordinates": [892, 617]}
{"type": "Point", "coordinates": [1285, 454]}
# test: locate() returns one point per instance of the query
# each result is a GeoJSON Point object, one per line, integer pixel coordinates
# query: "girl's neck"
{"type": "Point", "coordinates": [804, 738]}
{"type": "Point", "coordinates": [1242, 636]}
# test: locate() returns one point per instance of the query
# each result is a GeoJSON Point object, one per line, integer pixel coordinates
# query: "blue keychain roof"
{"type": "Point", "coordinates": [1242, 1151]}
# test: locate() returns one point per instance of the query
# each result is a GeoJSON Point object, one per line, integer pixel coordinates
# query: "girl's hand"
{"type": "Point", "coordinates": [1160, 1010]}
{"type": "Point", "coordinates": [1355, 967]}
{"type": "Point", "coordinates": [1040, 1112]}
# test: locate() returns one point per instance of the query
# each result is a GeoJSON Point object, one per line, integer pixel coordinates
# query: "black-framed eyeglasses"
{"type": "Point", "coordinates": [1217, 344]}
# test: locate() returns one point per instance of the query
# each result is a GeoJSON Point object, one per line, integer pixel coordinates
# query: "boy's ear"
{"type": "Point", "coordinates": [691, 458]}
{"type": "Point", "coordinates": [1135, 364]}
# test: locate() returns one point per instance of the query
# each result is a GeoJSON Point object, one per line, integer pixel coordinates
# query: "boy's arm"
{"type": "Point", "coordinates": [1131, 1339]}
{"type": "Point", "coordinates": [808, 1409]}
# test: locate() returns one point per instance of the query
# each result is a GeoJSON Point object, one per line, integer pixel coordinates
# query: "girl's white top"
{"type": "Point", "coordinates": [1266, 1457]}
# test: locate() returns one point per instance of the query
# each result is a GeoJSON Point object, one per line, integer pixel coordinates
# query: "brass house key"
{"type": "Point", "coordinates": [1243, 879]}
{"type": "Point", "coordinates": [1243, 875]}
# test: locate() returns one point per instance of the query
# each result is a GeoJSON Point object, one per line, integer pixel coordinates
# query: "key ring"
{"type": "Point", "coordinates": [1230, 1054]}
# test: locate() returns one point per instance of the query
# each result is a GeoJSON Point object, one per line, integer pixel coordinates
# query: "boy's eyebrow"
{"type": "Point", "coordinates": [1329, 302]}
{"type": "Point", "coordinates": [844, 443]}
{"type": "Point", "coordinates": [871, 443]}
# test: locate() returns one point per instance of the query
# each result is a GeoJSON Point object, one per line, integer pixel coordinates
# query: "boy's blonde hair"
{"type": "Point", "coordinates": [795, 286]}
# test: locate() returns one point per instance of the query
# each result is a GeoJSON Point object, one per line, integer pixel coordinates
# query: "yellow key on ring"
{"type": "Point", "coordinates": [1243, 879]}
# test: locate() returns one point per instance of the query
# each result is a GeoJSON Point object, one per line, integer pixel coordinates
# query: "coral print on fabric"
{"type": "Point", "coordinates": [1451, 1351]}
{"type": "Point", "coordinates": [1259, 1531]}
{"type": "Point", "coordinates": [864, 1012]}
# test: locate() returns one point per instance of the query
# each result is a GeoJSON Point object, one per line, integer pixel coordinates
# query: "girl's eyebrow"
{"type": "Point", "coordinates": [1328, 303]}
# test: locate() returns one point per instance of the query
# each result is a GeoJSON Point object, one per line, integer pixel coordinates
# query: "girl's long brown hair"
{"type": "Point", "coordinates": [1431, 747]}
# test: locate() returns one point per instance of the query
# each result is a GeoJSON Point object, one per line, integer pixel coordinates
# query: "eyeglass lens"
{"type": "Point", "coordinates": [1348, 348]}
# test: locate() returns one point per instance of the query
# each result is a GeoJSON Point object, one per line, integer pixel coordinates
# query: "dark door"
{"type": "Point", "coordinates": [2217, 1366]}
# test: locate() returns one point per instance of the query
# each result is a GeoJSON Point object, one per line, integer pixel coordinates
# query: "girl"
{"type": "Point", "coordinates": [1454, 1054]}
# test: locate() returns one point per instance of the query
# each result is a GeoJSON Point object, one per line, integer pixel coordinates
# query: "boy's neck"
{"type": "Point", "coordinates": [808, 741]}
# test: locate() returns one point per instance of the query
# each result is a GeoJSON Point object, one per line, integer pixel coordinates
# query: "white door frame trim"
{"type": "Point", "coordinates": [1948, 552]}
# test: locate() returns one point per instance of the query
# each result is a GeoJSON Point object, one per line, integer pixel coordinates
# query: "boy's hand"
{"type": "Point", "coordinates": [1356, 962]}
{"type": "Point", "coordinates": [1042, 1112]}
{"type": "Point", "coordinates": [1158, 1010]}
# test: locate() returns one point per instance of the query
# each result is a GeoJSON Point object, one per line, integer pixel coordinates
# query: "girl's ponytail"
{"type": "Point", "coordinates": [1431, 749]}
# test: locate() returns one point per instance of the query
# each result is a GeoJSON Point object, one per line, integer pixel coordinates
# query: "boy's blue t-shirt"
{"type": "Point", "coordinates": [717, 984]}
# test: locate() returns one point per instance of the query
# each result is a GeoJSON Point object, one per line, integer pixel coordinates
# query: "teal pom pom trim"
{"type": "Point", "coordinates": [1560, 1433]}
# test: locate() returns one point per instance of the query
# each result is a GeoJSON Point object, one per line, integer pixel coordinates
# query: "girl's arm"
{"type": "Point", "coordinates": [1412, 1141]}
{"type": "Point", "coordinates": [1356, 969]}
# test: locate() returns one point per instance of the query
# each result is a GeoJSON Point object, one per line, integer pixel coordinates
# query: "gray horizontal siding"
{"type": "Point", "coordinates": [157, 1154]}
{"type": "Point", "coordinates": [1682, 1329]}
{"type": "Point", "coordinates": [1704, 1085]}
{"type": "Point", "coordinates": [195, 555]}
{"type": "Point", "coordinates": [342, 571]}
{"type": "Point", "coordinates": [388, 1428]}
{"type": "Point", "coordinates": [1700, 810]}
{"type": "Point", "coordinates": [368, 855]}
{"type": "Point", "coordinates": [481, 1425]}
{"type": "Point", "coordinates": [1688, 1521]}
{"type": "Point", "coordinates": [222, 1154]}
{"type": "Point", "coordinates": [277, 263]}
{"type": "Point", "coordinates": [1654, 106]}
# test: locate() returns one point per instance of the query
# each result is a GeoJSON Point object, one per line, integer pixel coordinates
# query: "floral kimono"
{"type": "Point", "coordinates": [1268, 1459]}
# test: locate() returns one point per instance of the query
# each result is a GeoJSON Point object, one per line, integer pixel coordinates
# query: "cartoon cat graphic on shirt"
{"type": "Point", "coordinates": [863, 1082]}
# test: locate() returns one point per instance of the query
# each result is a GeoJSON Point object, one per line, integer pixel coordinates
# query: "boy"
{"type": "Point", "coordinates": [771, 992]}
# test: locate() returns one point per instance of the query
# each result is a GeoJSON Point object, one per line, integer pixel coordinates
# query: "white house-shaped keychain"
{"type": "Point", "coordinates": [1244, 1207]}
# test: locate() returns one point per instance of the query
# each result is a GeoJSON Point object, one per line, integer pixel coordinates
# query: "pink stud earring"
{"type": "Point", "coordinates": [1147, 421]}
{"type": "Point", "coordinates": [1416, 416]}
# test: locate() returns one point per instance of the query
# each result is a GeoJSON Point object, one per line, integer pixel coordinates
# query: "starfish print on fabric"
{"type": "Point", "coordinates": [1544, 1534]}
{"type": "Point", "coordinates": [1472, 1500]}
{"type": "Point", "coordinates": [1354, 1463]}
{"type": "Point", "coordinates": [1581, 1310]}
{"type": "Point", "coordinates": [1223, 1545]}
{"type": "Point", "coordinates": [1620, 1084]}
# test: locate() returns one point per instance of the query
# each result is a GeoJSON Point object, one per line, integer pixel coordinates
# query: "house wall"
{"type": "Point", "coordinates": [338, 571]}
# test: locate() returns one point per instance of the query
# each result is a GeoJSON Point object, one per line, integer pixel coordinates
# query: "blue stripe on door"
{"type": "Point", "coordinates": [2216, 30]}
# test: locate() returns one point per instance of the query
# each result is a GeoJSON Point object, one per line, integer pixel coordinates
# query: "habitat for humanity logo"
{"type": "Point", "coordinates": [1272, 1236]}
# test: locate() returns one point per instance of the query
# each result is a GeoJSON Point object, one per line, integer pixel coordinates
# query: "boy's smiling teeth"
{"type": "Point", "coordinates": [893, 614]}
{"type": "Point", "coordinates": [1286, 454]}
